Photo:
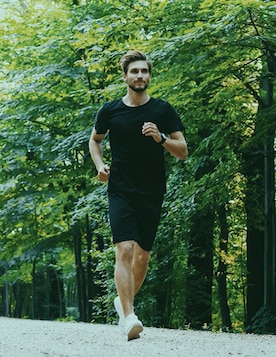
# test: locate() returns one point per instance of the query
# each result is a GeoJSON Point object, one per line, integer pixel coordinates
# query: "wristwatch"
{"type": "Point", "coordinates": [163, 138]}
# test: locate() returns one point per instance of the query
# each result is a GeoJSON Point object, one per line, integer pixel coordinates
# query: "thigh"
{"type": "Point", "coordinates": [123, 218]}
{"type": "Point", "coordinates": [149, 211]}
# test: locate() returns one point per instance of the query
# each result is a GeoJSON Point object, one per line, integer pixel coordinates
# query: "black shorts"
{"type": "Point", "coordinates": [134, 217]}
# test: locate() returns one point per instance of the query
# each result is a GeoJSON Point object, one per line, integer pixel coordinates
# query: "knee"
{"type": "Point", "coordinates": [142, 258]}
{"type": "Point", "coordinates": [124, 251]}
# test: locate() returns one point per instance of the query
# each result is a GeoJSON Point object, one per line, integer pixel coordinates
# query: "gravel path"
{"type": "Point", "coordinates": [30, 338]}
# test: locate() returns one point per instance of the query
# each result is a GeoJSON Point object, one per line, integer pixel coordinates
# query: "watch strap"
{"type": "Point", "coordinates": [163, 139]}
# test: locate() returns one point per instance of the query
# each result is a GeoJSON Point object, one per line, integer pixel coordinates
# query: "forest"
{"type": "Point", "coordinates": [213, 262]}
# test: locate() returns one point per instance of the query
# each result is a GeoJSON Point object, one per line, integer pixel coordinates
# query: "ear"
{"type": "Point", "coordinates": [124, 76]}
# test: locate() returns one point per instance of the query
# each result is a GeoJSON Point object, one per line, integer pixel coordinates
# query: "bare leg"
{"type": "Point", "coordinates": [123, 275]}
{"type": "Point", "coordinates": [130, 271]}
{"type": "Point", "coordinates": [139, 266]}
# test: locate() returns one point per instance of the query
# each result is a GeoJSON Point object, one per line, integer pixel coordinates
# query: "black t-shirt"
{"type": "Point", "coordinates": [137, 161]}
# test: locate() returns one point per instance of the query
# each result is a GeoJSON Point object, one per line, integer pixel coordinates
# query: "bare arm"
{"type": "Point", "coordinates": [96, 152]}
{"type": "Point", "coordinates": [175, 143]}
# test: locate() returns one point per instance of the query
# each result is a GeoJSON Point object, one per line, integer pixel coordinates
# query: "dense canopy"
{"type": "Point", "coordinates": [213, 264]}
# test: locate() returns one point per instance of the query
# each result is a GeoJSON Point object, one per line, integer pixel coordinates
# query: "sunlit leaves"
{"type": "Point", "coordinates": [60, 63]}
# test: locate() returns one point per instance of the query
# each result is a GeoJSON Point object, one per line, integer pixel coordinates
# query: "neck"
{"type": "Point", "coordinates": [134, 99]}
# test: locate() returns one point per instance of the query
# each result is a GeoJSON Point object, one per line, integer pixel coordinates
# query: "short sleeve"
{"type": "Point", "coordinates": [172, 121]}
{"type": "Point", "coordinates": [102, 121]}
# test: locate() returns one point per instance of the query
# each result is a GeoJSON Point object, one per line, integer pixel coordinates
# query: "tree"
{"type": "Point", "coordinates": [228, 58]}
{"type": "Point", "coordinates": [214, 61]}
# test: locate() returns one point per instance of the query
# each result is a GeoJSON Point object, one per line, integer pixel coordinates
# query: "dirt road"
{"type": "Point", "coordinates": [29, 338]}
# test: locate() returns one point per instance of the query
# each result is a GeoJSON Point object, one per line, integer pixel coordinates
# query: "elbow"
{"type": "Point", "coordinates": [183, 154]}
{"type": "Point", "coordinates": [182, 157]}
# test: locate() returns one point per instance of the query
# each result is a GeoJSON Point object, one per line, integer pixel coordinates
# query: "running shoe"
{"type": "Point", "coordinates": [133, 327]}
{"type": "Point", "coordinates": [120, 312]}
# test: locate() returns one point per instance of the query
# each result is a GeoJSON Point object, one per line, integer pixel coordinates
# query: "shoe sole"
{"type": "Point", "coordinates": [134, 332]}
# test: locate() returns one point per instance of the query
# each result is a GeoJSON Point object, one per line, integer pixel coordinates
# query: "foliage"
{"type": "Point", "coordinates": [263, 321]}
{"type": "Point", "coordinates": [60, 63]}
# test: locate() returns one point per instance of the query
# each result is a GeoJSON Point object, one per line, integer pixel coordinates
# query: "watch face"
{"type": "Point", "coordinates": [163, 138]}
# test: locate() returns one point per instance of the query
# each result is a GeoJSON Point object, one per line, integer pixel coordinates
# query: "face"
{"type": "Point", "coordinates": [138, 76]}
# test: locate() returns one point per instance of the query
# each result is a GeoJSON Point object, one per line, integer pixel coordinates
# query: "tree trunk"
{"type": "Point", "coordinates": [222, 272]}
{"type": "Point", "coordinates": [254, 203]}
{"type": "Point", "coordinates": [269, 186]}
{"type": "Point", "coordinates": [260, 207]}
{"type": "Point", "coordinates": [200, 271]}
{"type": "Point", "coordinates": [82, 297]}
{"type": "Point", "coordinates": [7, 305]}
{"type": "Point", "coordinates": [18, 294]}
{"type": "Point", "coordinates": [269, 237]}
{"type": "Point", "coordinates": [164, 276]}
{"type": "Point", "coordinates": [34, 289]}
{"type": "Point", "coordinates": [90, 283]}
{"type": "Point", "coordinates": [55, 291]}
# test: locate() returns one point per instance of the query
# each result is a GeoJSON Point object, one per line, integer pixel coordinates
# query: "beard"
{"type": "Point", "coordinates": [139, 89]}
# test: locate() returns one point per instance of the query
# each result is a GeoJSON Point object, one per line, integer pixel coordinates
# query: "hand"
{"type": "Point", "coordinates": [151, 129]}
{"type": "Point", "coordinates": [103, 173]}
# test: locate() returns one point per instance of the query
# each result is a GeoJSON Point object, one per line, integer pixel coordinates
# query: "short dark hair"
{"type": "Point", "coordinates": [132, 56]}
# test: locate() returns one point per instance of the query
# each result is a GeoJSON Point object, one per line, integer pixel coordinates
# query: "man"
{"type": "Point", "coordinates": [138, 126]}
